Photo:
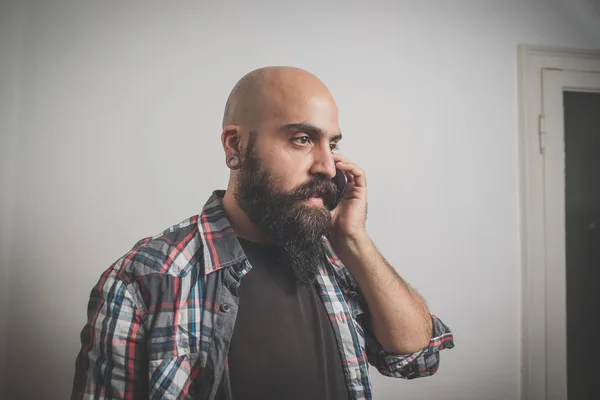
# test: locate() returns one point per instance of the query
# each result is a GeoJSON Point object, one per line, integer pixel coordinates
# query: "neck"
{"type": "Point", "coordinates": [239, 220]}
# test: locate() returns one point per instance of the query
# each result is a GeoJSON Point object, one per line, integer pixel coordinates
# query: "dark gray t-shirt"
{"type": "Point", "coordinates": [283, 344]}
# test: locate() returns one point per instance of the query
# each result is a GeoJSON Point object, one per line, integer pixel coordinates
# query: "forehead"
{"type": "Point", "coordinates": [315, 109]}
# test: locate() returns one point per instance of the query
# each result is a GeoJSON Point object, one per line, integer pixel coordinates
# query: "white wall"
{"type": "Point", "coordinates": [11, 23]}
{"type": "Point", "coordinates": [118, 137]}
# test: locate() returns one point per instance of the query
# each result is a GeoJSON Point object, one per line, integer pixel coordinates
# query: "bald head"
{"type": "Point", "coordinates": [271, 92]}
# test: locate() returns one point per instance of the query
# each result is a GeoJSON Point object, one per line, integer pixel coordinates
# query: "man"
{"type": "Point", "coordinates": [270, 292]}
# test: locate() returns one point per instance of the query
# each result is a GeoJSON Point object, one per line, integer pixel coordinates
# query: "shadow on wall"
{"type": "Point", "coordinates": [42, 346]}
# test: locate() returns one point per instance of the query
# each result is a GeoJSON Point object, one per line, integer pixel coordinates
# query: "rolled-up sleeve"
{"type": "Point", "coordinates": [420, 364]}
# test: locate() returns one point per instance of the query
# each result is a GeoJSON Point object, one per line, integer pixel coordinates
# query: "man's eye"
{"type": "Point", "coordinates": [301, 140]}
{"type": "Point", "coordinates": [334, 146]}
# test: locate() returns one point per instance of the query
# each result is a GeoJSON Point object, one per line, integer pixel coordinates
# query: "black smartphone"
{"type": "Point", "coordinates": [341, 181]}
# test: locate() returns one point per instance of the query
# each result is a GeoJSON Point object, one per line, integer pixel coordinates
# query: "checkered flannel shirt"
{"type": "Point", "coordinates": [161, 318]}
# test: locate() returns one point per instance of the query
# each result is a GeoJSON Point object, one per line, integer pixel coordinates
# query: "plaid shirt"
{"type": "Point", "coordinates": [161, 318]}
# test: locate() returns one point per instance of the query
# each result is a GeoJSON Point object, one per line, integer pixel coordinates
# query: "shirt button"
{"type": "Point", "coordinates": [225, 308]}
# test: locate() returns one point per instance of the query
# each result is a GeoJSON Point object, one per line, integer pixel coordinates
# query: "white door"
{"type": "Point", "coordinates": [557, 84]}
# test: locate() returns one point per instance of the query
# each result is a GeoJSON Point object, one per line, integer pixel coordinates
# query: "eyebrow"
{"type": "Point", "coordinates": [310, 129]}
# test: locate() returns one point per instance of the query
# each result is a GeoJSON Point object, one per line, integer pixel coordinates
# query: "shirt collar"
{"type": "Point", "coordinates": [220, 244]}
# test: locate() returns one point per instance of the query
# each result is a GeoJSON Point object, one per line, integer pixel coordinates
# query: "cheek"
{"type": "Point", "coordinates": [289, 171]}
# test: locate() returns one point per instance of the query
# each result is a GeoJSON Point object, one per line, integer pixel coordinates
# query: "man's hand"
{"type": "Point", "coordinates": [349, 217]}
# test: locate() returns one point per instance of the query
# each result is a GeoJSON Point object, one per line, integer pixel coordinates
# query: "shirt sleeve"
{"type": "Point", "coordinates": [410, 366]}
{"type": "Point", "coordinates": [112, 362]}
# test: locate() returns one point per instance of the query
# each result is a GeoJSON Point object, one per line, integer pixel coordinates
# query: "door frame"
{"type": "Point", "coordinates": [532, 60]}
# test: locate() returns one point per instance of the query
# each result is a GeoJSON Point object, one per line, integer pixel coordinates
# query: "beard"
{"type": "Point", "coordinates": [283, 216]}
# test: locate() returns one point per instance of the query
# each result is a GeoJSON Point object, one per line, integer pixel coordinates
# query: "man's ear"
{"type": "Point", "coordinates": [231, 138]}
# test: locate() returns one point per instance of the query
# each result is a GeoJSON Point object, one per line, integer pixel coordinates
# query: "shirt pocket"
{"type": "Point", "coordinates": [170, 376]}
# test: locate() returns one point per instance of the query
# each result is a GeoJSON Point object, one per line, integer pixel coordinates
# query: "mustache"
{"type": "Point", "coordinates": [318, 186]}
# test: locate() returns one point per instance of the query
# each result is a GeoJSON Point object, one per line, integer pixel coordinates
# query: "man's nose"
{"type": "Point", "coordinates": [323, 164]}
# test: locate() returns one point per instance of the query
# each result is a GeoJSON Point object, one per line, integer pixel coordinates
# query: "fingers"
{"type": "Point", "coordinates": [355, 174]}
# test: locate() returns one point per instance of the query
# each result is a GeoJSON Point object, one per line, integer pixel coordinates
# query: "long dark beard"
{"type": "Point", "coordinates": [282, 216]}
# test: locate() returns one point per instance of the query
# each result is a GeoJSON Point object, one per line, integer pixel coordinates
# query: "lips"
{"type": "Point", "coordinates": [318, 195]}
{"type": "Point", "coordinates": [318, 190]}
{"type": "Point", "coordinates": [314, 200]}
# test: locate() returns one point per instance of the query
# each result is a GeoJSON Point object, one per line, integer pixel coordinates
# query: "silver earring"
{"type": "Point", "coordinates": [234, 162]}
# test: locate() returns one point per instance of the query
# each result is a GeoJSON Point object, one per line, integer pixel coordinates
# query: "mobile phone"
{"type": "Point", "coordinates": [341, 181]}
